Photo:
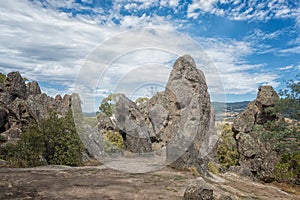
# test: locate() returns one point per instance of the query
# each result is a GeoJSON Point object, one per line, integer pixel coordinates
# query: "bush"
{"type": "Point", "coordinates": [54, 139]}
{"type": "Point", "coordinates": [113, 142]}
{"type": "Point", "coordinates": [284, 138]}
{"type": "Point", "coordinates": [28, 151]}
{"type": "Point", "coordinates": [2, 78]}
{"type": "Point", "coordinates": [213, 168]}
{"type": "Point", "coordinates": [227, 149]}
{"type": "Point", "coordinates": [287, 169]}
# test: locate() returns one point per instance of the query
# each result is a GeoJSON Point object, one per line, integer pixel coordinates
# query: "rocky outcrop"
{"type": "Point", "coordinates": [254, 156]}
{"type": "Point", "coordinates": [15, 86]}
{"type": "Point", "coordinates": [178, 121]}
{"type": "Point", "coordinates": [22, 104]}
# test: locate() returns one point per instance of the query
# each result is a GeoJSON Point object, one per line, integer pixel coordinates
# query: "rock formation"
{"type": "Point", "coordinates": [130, 122]}
{"type": "Point", "coordinates": [22, 104]}
{"type": "Point", "coordinates": [189, 115]}
{"type": "Point", "coordinates": [177, 120]}
{"type": "Point", "coordinates": [254, 157]}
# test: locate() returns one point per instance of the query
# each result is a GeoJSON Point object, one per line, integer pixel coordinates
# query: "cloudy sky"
{"type": "Point", "coordinates": [100, 46]}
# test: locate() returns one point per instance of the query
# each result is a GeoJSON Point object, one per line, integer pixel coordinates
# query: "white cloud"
{"type": "Point", "coordinates": [259, 35]}
{"type": "Point", "coordinates": [229, 58]}
{"type": "Point", "coordinates": [169, 3]}
{"type": "Point", "coordinates": [51, 46]}
{"type": "Point", "coordinates": [137, 4]}
{"type": "Point", "coordinates": [286, 68]}
{"type": "Point", "coordinates": [131, 6]}
{"type": "Point", "coordinates": [247, 10]}
{"type": "Point", "coordinates": [201, 6]}
{"type": "Point", "coordinates": [45, 44]}
{"type": "Point", "coordinates": [293, 50]}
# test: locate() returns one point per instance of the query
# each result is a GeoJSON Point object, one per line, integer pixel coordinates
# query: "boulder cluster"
{"type": "Point", "coordinates": [178, 120]}
{"type": "Point", "coordinates": [23, 103]}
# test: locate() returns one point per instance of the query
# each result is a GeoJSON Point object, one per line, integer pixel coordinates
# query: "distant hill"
{"type": "Point", "coordinates": [235, 106]}
{"type": "Point", "coordinates": [219, 107]}
{"type": "Point", "coordinates": [228, 110]}
{"type": "Point", "coordinates": [90, 114]}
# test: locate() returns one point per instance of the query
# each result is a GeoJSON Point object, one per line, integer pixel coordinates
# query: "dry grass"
{"type": "Point", "coordinates": [289, 188]}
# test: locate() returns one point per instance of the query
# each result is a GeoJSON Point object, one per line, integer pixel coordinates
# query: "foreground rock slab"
{"type": "Point", "coordinates": [100, 182]}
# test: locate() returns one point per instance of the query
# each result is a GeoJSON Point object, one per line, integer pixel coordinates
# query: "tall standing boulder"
{"type": "Point", "coordinates": [189, 115]}
{"type": "Point", "coordinates": [255, 157]}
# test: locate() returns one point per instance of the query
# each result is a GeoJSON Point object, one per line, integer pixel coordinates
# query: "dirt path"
{"type": "Point", "coordinates": [55, 182]}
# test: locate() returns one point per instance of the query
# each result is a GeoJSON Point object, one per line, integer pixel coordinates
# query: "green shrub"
{"type": "Point", "coordinates": [113, 142]}
{"type": "Point", "coordinates": [213, 168]}
{"type": "Point", "coordinates": [287, 169]}
{"type": "Point", "coordinates": [54, 139]}
{"type": "Point", "coordinates": [227, 150]}
{"type": "Point", "coordinates": [28, 150]}
{"type": "Point", "coordinates": [2, 78]}
{"type": "Point", "coordinates": [63, 145]}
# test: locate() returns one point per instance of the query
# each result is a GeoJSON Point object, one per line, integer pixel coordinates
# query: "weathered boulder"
{"type": "Point", "coordinates": [20, 113]}
{"type": "Point", "coordinates": [245, 120]}
{"type": "Point", "coordinates": [33, 88]}
{"type": "Point", "coordinates": [15, 86]}
{"type": "Point", "coordinates": [255, 157]}
{"type": "Point", "coordinates": [12, 135]}
{"type": "Point", "coordinates": [266, 96]}
{"type": "Point", "coordinates": [189, 115]}
{"type": "Point", "coordinates": [105, 123]}
{"type": "Point", "coordinates": [131, 123]}
{"type": "Point", "coordinates": [157, 117]}
{"type": "Point", "coordinates": [255, 112]}
{"type": "Point", "coordinates": [198, 189]}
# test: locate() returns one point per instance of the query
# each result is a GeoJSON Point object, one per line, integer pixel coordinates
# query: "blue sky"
{"type": "Point", "coordinates": [248, 43]}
